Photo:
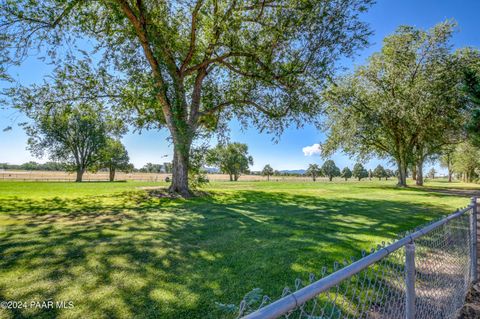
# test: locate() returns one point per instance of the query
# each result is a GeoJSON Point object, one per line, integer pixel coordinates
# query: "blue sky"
{"type": "Point", "coordinates": [152, 146]}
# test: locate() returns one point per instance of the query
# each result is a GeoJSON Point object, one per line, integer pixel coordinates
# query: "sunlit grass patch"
{"type": "Point", "coordinates": [117, 252]}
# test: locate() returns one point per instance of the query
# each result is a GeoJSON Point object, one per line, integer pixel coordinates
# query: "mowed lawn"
{"type": "Point", "coordinates": [116, 252]}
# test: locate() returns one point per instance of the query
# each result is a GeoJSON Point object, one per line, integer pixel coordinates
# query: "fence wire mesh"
{"type": "Point", "coordinates": [443, 262]}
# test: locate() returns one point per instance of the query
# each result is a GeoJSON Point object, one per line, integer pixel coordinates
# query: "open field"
{"type": "Point", "coordinates": [118, 253]}
{"type": "Point", "coordinates": [120, 176]}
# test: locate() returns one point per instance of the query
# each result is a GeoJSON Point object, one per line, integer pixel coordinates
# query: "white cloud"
{"type": "Point", "coordinates": [312, 150]}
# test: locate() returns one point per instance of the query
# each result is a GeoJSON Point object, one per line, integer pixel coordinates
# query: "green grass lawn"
{"type": "Point", "coordinates": [117, 253]}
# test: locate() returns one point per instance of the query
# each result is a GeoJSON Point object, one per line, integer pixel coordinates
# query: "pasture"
{"type": "Point", "coordinates": [117, 252]}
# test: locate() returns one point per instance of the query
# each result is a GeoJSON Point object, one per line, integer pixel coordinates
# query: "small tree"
{"type": "Point", "coordinates": [267, 171]}
{"type": "Point", "coordinates": [232, 159]}
{"type": "Point", "coordinates": [379, 172]}
{"type": "Point", "coordinates": [115, 157]}
{"type": "Point", "coordinates": [359, 171]}
{"type": "Point", "coordinates": [346, 173]}
{"type": "Point", "coordinates": [432, 173]}
{"type": "Point", "coordinates": [314, 171]}
{"type": "Point", "coordinates": [330, 170]}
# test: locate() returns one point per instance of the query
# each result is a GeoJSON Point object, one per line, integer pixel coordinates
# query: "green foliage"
{"type": "Point", "coordinates": [73, 136]}
{"type": "Point", "coordinates": [379, 172]}
{"type": "Point", "coordinates": [198, 159]}
{"type": "Point", "coordinates": [231, 159]}
{"type": "Point", "coordinates": [330, 170]}
{"type": "Point", "coordinates": [404, 104]}
{"type": "Point", "coordinates": [346, 173]}
{"type": "Point", "coordinates": [115, 157]}
{"type": "Point", "coordinates": [68, 122]}
{"type": "Point", "coordinates": [359, 171]}
{"type": "Point", "coordinates": [466, 161]}
{"type": "Point", "coordinates": [472, 90]}
{"type": "Point", "coordinates": [314, 171]}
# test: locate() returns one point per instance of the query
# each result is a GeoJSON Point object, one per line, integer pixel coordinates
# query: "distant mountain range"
{"type": "Point", "coordinates": [211, 170]}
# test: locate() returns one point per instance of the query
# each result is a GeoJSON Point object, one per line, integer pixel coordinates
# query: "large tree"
{"type": "Point", "coordinates": [191, 65]}
{"type": "Point", "coordinates": [232, 159]}
{"type": "Point", "coordinates": [404, 104]}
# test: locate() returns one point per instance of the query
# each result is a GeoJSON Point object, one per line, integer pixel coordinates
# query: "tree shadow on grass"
{"type": "Point", "coordinates": [136, 257]}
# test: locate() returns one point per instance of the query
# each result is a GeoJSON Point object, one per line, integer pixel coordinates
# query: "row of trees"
{"type": "Point", "coordinates": [34, 166]}
{"type": "Point", "coordinates": [156, 168]}
{"type": "Point", "coordinates": [409, 103]}
{"type": "Point", "coordinates": [330, 170]}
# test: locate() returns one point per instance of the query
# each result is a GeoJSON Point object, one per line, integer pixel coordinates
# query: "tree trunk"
{"type": "Point", "coordinates": [449, 169]}
{"type": "Point", "coordinates": [231, 177]}
{"type": "Point", "coordinates": [80, 172]}
{"type": "Point", "coordinates": [414, 172]}
{"type": "Point", "coordinates": [268, 177]}
{"type": "Point", "coordinates": [345, 179]}
{"type": "Point", "coordinates": [402, 173]}
{"type": "Point", "coordinates": [419, 180]}
{"type": "Point", "coordinates": [235, 177]}
{"type": "Point", "coordinates": [330, 178]}
{"type": "Point", "coordinates": [112, 174]}
{"type": "Point", "coordinates": [180, 170]}
{"type": "Point", "coordinates": [314, 178]}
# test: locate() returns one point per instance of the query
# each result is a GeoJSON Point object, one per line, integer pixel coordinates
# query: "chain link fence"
{"type": "Point", "coordinates": [424, 274]}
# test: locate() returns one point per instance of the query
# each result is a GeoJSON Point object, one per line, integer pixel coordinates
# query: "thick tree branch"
{"type": "Point", "coordinates": [193, 35]}
{"type": "Point", "coordinates": [257, 106]}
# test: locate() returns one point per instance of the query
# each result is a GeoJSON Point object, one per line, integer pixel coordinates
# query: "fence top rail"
{"type": "Point", "coordinates": [299, 297]}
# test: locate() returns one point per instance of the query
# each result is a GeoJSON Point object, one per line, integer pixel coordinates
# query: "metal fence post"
{"type": "Point", "coordinates": [410, 280]}
{"type": "Point", "coordinates": [473, 226]}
